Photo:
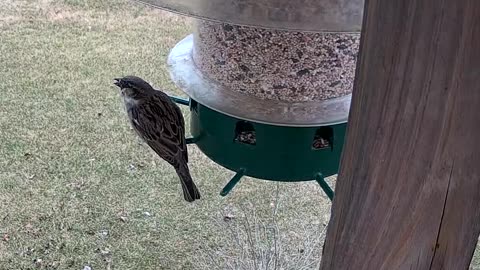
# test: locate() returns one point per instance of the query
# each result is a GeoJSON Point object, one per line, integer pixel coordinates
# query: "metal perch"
{"type": "Point", "coordinates": [180, 100]}
{"type": "Point", "coordinates": [186, 102]}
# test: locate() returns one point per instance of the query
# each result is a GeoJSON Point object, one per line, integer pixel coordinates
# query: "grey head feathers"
{"type": "Point", "coordinates": [134, 87]}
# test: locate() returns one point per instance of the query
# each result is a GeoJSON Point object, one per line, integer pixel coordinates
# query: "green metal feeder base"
{"type": "Point", "coordinates": [263, 151]}
{"type": "Point", "coordinates": [265, 139]}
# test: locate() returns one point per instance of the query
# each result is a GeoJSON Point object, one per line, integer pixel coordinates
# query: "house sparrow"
{"type": "Point", "coordinates": [159, 122]}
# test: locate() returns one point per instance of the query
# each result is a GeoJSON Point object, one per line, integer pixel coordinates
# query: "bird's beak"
{"type": "Point", "coordinates": [117, 82]}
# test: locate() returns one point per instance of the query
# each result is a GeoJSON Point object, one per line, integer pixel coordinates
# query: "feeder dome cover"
{"type": "Point", "coordinates": [299, 15]}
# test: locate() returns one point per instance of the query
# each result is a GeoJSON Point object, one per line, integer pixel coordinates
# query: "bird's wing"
{"type": "Point", "coordinates": [181, 124]}
{"type": "Point", "coordinates": [160, 124]}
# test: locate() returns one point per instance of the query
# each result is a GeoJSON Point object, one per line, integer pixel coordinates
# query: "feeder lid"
{"type": "Point", "coordinates": [299, 15]}
{"type": "Point", "coordinates": [211, 94]}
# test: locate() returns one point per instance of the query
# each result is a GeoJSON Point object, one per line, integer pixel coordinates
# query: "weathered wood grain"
{"type": "Point", "coordinates": [408, 192]}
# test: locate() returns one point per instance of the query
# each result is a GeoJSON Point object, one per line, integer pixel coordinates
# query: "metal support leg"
{"type": "Point", "coordinates": [179, 100]}
{"type": "Point", "coordinates": [231, 184]}
{"type": "Point", "coordinates": [191, 140]}
{"type": "Point", "coordinates": [324, 185]}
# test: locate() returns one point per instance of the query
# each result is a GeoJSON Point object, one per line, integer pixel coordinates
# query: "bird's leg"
{"type": "Point", "coordinates": [231, 184]}
{"type": "Point", "coordinates": [179, 100]}
{"type": "Point", "coordinates": [324, 185]}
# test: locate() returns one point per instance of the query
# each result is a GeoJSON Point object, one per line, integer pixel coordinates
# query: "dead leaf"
{"type": "Point", "coordinates": [104, 252]}
{"type": "Point", "coordinates": [109, 264]}
{"type": "Point", "coordinates": [103, 233]}
{"type": "Point", "coordinates": [228, 217]}
{"type": "Point", "coordinates": [123, 216]}
{"type": "Point", "coordinates": [132, 168]}
{"type": "Point", "coordinates": [326, 219]}
{"type": "Point", "coordinates": [38, 262]}
{"type": "Point", "coordinates": [53, 265]}
{"type": "Point", "coordinates": [6, 237]}
{"type": "Point", "coordinates": [32, 230]}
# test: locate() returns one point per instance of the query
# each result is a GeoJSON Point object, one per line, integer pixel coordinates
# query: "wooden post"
{"type": "Point", "coordinates": [408, 192]}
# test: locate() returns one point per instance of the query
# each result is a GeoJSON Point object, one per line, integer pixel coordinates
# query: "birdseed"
{"type": "Point", "coordinates": [247, 137]}
{"type": "Point", "coordinates": [320, 143]}
{"type": "Point", "coordinates": [274, 64]}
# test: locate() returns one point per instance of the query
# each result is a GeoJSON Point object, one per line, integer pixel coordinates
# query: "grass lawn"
{"type": "Point", "coordinates": [78, 190]}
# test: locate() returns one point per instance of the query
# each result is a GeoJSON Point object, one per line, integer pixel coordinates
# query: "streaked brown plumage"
{"type": "Point", "coordinates": [159, 122]}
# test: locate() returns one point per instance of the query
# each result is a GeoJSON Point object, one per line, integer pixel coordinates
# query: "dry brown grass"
{"type": "Point", "coordinates": [76, 188]}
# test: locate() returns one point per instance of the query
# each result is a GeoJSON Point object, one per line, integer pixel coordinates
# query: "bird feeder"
{"type": "Point", "coordinates": [269, 83]}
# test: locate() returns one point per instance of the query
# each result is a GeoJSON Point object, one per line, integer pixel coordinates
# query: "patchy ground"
{"type": "Point", "coordinates": [78, 190]}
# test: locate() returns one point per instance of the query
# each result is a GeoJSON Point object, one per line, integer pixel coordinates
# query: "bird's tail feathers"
{"type": "Point", "coordinates": [190, 191]}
